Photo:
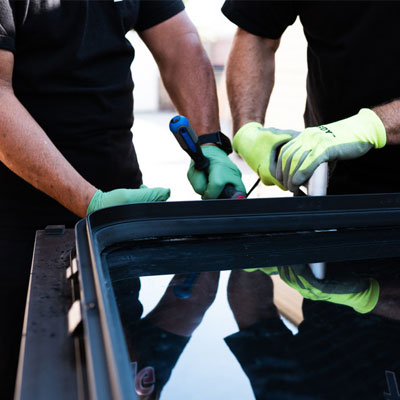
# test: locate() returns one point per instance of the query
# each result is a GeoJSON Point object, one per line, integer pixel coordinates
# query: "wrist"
{"type": "Point", "coordinates": [94, 202]}
{"type": "Point", "coordinates": [216, 139]}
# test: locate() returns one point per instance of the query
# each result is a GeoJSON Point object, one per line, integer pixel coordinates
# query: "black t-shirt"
{"type": "Point", "coordinates": [353, 53]}
{"type": "Point", "coordinates": [72, 73]}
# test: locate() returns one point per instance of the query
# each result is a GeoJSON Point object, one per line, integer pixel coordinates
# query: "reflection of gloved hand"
{"type": "Point", "coordinates": [266, 270]}
{"type": "Point", "coordinates": [126, 196]}
{"type": "Point", "coordinates": [259, 147]}
{"type": "Point", "coordinates": [349, 138]}
{"type": "Point", "coordinates": [220, 172]}
{"type": "Point", "coordinates": [360, 293]}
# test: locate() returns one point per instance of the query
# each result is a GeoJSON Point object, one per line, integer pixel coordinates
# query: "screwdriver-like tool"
{"type": "Point", "coordinates": [189, 142]}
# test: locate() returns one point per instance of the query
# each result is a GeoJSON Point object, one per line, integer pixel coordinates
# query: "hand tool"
{"type": "Point", "coordinates": [189, 142]}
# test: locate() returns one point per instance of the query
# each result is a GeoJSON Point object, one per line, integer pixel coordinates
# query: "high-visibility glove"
{"type": "Point", "coordinates": [259, 147]}
{"type": "Point", "coordinates": [126, 196]}
{"type": "Point", "coordinates": [266, 270]}
{"type": "Point", "coordinates": [346, 139]}
{"type": "Point", "coordinates": [361, 294]}
{"type": "Point", "coordinates": [220, 172]}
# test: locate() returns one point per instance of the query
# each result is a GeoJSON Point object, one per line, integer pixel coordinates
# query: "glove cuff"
{"type": "Point", "coordinates": [377, 134]}
{"type": "Point", "coordinates": [244, 135]}
{"type": "Point", "coordinates": [370, 298]}
{"type": "Point", "coordinates": [245, 143]}
{"type": "Point", "coordinates": [211, 150]}
{"type": "Point", "coordinates": [266, 270]}
{"type": "Point", "coordinates": [93, 205]}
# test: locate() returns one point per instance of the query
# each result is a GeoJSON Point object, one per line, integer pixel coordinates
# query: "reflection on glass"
{"type": "Point", "coordinates": [346, 347]}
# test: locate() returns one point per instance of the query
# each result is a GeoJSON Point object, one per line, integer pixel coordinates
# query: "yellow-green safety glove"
{"type": "Point", "coordinates": [266, 270]}
{"type": "Point", "coordinates": [126, 196]}
{"type": "Point", "coordinates": [361, 294]}
{"type": "Point", "coordinates": [259, 147]}
{"type": "Point", "coordinates": [220, 172]}
{"type": "Point", "coordinates": [346, 139]}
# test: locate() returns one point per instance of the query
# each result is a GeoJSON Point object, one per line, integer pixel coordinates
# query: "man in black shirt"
{"type": "Point", "coordinates": [66, 110]}
{"type": "Point", "coordinates": [351, 67]}
{"type": "Point", "coordinates": [352, 79]}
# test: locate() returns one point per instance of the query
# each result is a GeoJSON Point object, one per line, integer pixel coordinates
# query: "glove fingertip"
{"type": "Point", "coordinates": [211, 193]}
{"type": "Point", "coordinates": [166, 195]}
{"type": "Point", "coordinates": [162, 194]}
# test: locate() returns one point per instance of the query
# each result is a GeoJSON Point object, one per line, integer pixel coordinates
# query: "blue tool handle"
{"type": "Point", "coordinates": [189, 142]}
{"type": "Point", "coordinates": [184, 290]}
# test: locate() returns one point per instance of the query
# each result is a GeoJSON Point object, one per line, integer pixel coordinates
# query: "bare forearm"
{"type": "Point", "coordinates": [390, 116]}
{"type": "Point", "coordinates": [190, 82]}
{"type": "Point", "coordinates": [389, 300]}
{"type": "Point", "coordinates": [28, 152]}
{"type": "Point", "coordinates": [186, 70]}
{"type": "Point", "coordinates": [250, 77]}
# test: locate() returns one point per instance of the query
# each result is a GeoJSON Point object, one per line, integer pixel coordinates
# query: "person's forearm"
{"type": "Point", "coordinates": [186, 71]}
{"type": "Point", "coordinates": [390, 116]}
{"type": "Point", "coordinates": [27, 151]}
{"type": "Point", "coordinates": [191, 85]}
{"type": "Point", "coordinates": [250, 77]}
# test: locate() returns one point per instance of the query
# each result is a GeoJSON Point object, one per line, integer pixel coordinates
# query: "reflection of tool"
{"type": "Point", "coordinates": [184, 290]}
{"type": "Point", "coordinates": [317, 186]}
{"type": "Point", "coordinates": [189, 142]}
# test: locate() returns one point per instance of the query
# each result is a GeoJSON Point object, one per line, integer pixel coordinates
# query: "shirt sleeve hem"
{"type": "Point", "coordinates": [7, 43]}
{"type": "Point", "coordinates": [168, 13]}
{"type": "Point", "coordinates": [247, 25]}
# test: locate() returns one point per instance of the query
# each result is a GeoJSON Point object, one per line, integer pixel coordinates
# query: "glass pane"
{"type": "Point", "coordinates": [276, 333]}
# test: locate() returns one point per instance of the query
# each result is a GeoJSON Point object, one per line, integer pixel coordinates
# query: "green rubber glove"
{"type": "Point", "coordinates": [126, 196]}
{"type": "Point", "coordinates": [349, 138]}
{"type": "Point", "coordinates": [220, 172]}
{"type": "Point", "coordinates": [361, 294]}
{"type": "Point", "coordinates": [259, 147]}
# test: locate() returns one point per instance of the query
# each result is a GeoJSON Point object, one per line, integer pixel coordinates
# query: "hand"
{"type": "Point", "coordinates": [251, 297]}
{"type": "Point", "coordinates": [361, 294]}
{"type": "Point", "coordinates": [259, 147]}
{"type": "Point", "coordinates": [349, 138]}
{"type": "Point", "coordinates": [220, 172]}
{"type": "Point", "coordinates": [126, 196]}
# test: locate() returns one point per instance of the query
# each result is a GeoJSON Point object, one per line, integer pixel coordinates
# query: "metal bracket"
{"type": "Point", "coordinates": [74, 317]}
{"type": "Point", "coordinates": [54, 230]}
{"type": "Point", "coordinates": [72, 269]}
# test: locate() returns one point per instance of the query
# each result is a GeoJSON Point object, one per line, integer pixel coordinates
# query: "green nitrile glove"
{"type": "Point", "coordinates": [259, 147]}
{"type": "Point", "coordinates": [360, 294]}
{"type": "Point", "coordinates": [349, 138]}
{"type": "Point", "coordinates": [266, 270]}
{"type": "Point", "coordinates": [126, 196]}
{"type": "Point", "coordinates": [220, 172]}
